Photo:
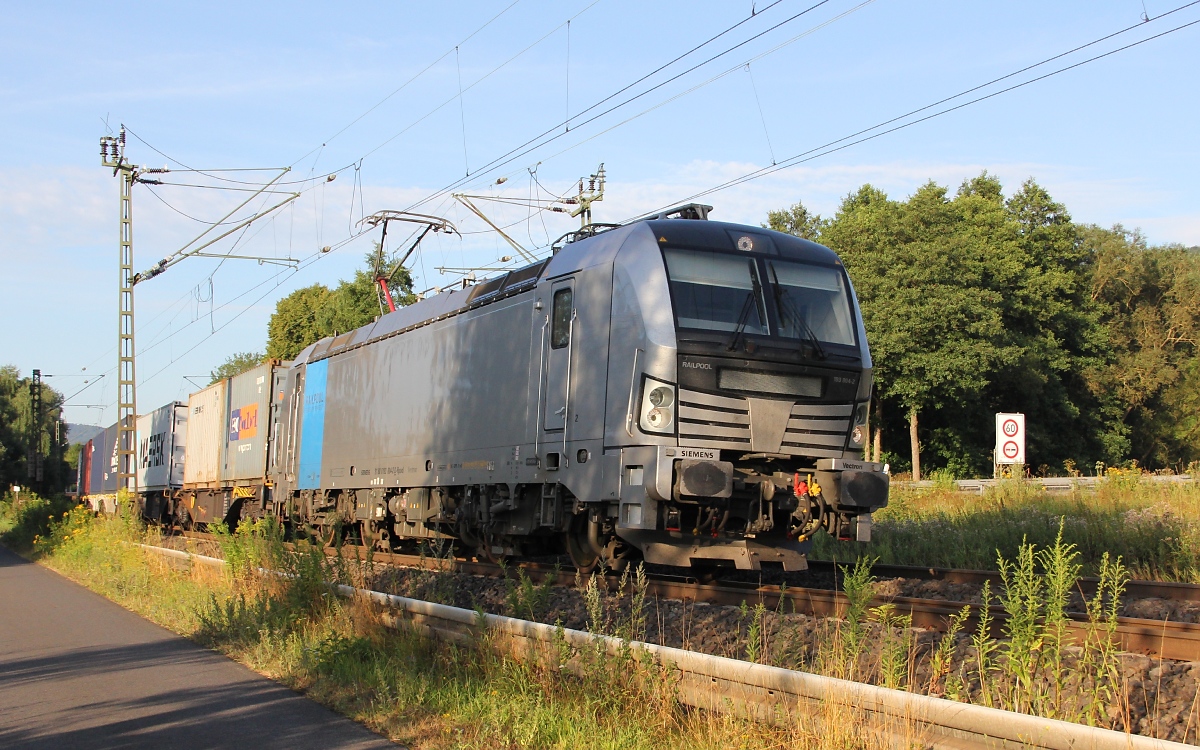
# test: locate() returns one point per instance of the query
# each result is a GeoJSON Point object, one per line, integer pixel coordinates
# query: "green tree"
{"type": "Point", "coordinates": [358, 301]}
{"type": "Point", "coordinates": [1150, 300]}
{"type": "Point", "coordinates": [924, 278]}
{"type": "Point", "coordinates": [236, 364]}
{"type": "Point", "coordinates": [310, 314]}
{"type": "Point", "coordinates": [12, 427]}
{"type": "Point", "coordinates": [979, 304]}
{"type": "Point", "coordinates": [797, 220]}
{"type": "Point", "coordinates": [16, 420]}
{"type": "Point", "coordinates": [296, 322]}
{"type": "Point", "coordinates": [1050, 316]}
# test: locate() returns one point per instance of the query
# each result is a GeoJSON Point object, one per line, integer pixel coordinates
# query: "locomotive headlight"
{"type": "Point", "coordinates": [662, 396]}
{"type": "Point", "coordinates": [858, 433]}
{"type": "Point", "coordinates": [657, 413]}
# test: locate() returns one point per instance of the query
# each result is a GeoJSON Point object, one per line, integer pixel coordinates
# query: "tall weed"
{"type": "Point", "coordinates": [525, 599]}
{"type": "Point", "coordinates": [621, 613]}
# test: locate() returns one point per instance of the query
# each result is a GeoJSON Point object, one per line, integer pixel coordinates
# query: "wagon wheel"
{"type": "Point", "coordinates": [381, 537]}
{"type": "Point", "coordinates": [321, 534]}
{"type": "Point", "coordinates": [183, 518]}
{"type": "Point", "coordinates": [332, 533]}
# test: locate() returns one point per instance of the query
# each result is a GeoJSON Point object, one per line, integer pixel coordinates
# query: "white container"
{"type": "Point", "coordinates": [207, 420]}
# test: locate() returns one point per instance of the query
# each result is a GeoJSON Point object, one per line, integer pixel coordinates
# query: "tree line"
{"type": "Point", "coordinates": [17, 430]}
{"type": "Point", "coordinates": [976, 303]}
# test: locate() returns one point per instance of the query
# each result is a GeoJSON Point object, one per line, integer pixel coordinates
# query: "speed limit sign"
{"type": "Point", "coordinates": [1010, 438]}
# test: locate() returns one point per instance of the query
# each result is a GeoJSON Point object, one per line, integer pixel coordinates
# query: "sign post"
{"type": "Point", "coordinates": [1010, 441]}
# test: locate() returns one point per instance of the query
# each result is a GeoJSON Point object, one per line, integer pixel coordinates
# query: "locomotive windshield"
{"type": "Point", "coordinates": [811, 302]}
{"type": "Point", "coordinates": [722, 292]}
{"type": "Point", "coordinates": [716, 291]}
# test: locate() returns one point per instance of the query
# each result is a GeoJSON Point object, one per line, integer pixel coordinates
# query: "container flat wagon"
{"type": "Point", "coordinates": [228, 448]}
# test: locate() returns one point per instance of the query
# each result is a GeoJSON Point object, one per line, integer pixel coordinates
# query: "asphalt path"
{"type": "Point", "coordinates": [77, 671]}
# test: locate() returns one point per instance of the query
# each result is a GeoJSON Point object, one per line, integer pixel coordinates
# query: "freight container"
{"type": "Point", "coordinates": [207, 422]}
{"type": "Point", "coordinates": [99, 487]}
{"type": "Point", "coordinates": [249, 425]}
{"type": "Point", "coordinates": [104, 463]}
{"type": "Point", "coordinates": [83, 472]}
{"type": "Point", "coordinates": [161, 440]}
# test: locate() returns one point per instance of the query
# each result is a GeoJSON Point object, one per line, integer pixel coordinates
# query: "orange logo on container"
{"type": "Point", "coordinates": [243, 422]}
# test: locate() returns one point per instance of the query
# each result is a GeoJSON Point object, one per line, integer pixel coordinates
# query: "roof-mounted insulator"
{"type": "Point", "coordinates": [692, 211]}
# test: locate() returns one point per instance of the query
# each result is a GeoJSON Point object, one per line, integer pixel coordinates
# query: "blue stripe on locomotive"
{"type": "Point", "coordinates": [312, 426]}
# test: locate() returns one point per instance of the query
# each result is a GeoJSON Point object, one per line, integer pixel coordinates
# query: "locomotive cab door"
{"type": "Point", "coordinates": [560, 328]}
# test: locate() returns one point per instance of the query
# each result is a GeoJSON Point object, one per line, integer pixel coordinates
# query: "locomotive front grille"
{"type": "Point", "coordinates": [708, 420]}
{"type": "Point", "coordinates": [818, 429]}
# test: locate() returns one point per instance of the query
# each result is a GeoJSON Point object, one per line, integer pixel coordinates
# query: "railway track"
{"type": "Point", "coordinates": [1161, 639]}
{"type": "Point", "coordinates": [765, 693]}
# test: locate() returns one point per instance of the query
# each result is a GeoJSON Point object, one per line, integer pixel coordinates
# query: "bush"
{"type": "Point", "coordinates": [24, 522]}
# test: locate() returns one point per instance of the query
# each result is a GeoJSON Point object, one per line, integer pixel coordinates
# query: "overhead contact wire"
{"type": "Point", "coordinates": [517, 152]}
{"type": "Point", "coordinates": [827, 148]}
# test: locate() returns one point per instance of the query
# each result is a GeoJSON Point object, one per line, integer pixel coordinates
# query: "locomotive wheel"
{"type": "Point", "coordinates": [487, 553]}
{"type": "Point", "coordinates": [489, 543]}
{"type": "Point", "coordinates": [575, 539]}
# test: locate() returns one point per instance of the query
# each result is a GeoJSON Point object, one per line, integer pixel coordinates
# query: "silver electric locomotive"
{"type": "Point", "coordinates": [679, 390]}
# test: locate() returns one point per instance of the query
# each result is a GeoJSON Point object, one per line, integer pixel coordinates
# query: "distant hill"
{"type": "Point", "coordinates": [81, 433]}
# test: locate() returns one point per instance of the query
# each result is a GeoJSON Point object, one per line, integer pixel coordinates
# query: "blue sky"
{"type": "Point", "coordinates": [273, 85]}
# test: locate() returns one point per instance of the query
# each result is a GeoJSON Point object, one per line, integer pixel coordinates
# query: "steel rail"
{"type": "Point", "coordinates": [765, 693]}
{"type": "Point", "coordinates": [1137, 589]}
{"type": "Point", "coordinates": [1163, 639]}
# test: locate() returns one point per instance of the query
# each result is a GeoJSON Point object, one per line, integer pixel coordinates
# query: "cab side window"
{"type": "Point", "coordinates": [560, 319]}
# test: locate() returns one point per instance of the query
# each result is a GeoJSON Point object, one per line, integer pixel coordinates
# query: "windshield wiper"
{"type": "Point", "coordinates": [786, 306]}
{"type": "Point", "coordinates": [743, 318]}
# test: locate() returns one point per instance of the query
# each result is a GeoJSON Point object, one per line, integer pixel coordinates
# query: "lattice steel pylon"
{"type": "Point", "coordinates": [34, 461]}
{"type": "Point", "coordinates": [112, 154]}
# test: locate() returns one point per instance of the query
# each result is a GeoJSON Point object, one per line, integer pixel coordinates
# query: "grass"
{"type": "Point", "coordinates": [432, 694]}
{"type": "Point", "coordinates": [1153, 527]}
{"type": "Point", "coordinates": [417, 691]}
